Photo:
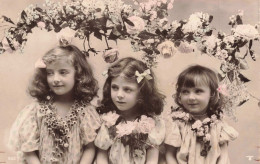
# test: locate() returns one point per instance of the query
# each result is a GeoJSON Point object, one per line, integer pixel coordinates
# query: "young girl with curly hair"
{"type": "Point", "coordinates": [196, 132]}
{"type": "Point", "coordinates": [60, 126]}
{"type": "Point", "coordinates": [132, 129]}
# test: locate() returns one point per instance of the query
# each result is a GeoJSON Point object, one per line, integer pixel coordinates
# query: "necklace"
{"type": "Point", "coordinates": [200, 128]}
{"type": "Point", "coordinates": [58, 127]}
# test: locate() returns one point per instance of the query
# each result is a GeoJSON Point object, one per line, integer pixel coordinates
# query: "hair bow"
{"type": "Point", "coordinates": [105, 73]}
{"type": "Point", "coordinates": [145, 74]}
{"type": "Point", "coordinates": [39, 63]}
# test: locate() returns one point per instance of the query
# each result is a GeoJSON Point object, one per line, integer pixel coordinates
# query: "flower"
{"type": "Point", "coordinates": [123, 129]}
{"type": "Point", "coordinates": [223, 89]}
{"type": "Point", "coordinates": [41, 25]}
{"type": "Point", "coordinates": [206, 120]}
{"type": "Point", "coordinates": [110, 118]}
{"type": "Point", "coordinates": [185, 47]}
{"type": "Point", "coordinates": [139, 25]}
{"type": "Point", "coordinates": [166, 48]}
{"type": "Point", "coordinates": [246, 31]}
{"type": "Point", "coordinates": [65, 36]}
{"type": "Point", "coordinates": [145, 125]}
{"type": "Point", "coordinates": [196, 22]}
{"type": "Point", "coordinates": [207, 137]}
{"type": "Point", "coordinates": [197, 124]}
{"type": "Point", "coordinates": [111, 55]}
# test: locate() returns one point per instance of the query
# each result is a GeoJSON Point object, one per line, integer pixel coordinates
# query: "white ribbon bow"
{"type": "Point", "coordinates": [105, 73]}
{"type": "Point", "coordinates": [145, 74]}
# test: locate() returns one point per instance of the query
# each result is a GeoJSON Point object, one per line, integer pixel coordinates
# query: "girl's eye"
{"type": "Point", "coordinates": [63, 72]}
{"type": "Point", "coordinates": [199, 91]}
{"type": "Point", "coordinates": [184, 92]}
{"type": "Point", "coordinates": [114, 87]}
{"type": "Point", "coordinates": [128, 90]}
{"type": "Point", "coordinates": [49, 73]}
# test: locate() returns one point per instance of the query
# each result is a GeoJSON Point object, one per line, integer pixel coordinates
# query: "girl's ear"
{"type": "Point", "coordinates": [179, 100]}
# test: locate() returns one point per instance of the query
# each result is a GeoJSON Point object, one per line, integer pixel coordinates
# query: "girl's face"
{"type": "Point", "coordinates": [195, 99]}
{"type": "Point", "coordinates": [61, 77]}
{"type": "Point", "coordinates": [124, 93]}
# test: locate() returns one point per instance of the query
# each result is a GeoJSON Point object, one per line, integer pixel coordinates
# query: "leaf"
{"type": "Point", "coordinates": [112, 36]}
{"type": "Point", "coordinates": [146, 35]}
{"type": "Point", "coordinates": [250, 44]}
{"type": "Point", "coordinates": [230, 75]}
{"type": "Point", "coordinates": [23, 15]}
{"type": "Point", "coordinates": [7, 19]}
{"type": "Point", "coordinates": [39, 9]}
{"type": "Point", "coordinates": [148, 51]}
{"type": "Point", "coordinates": [252, 54]}
{"type": "Point", "coordinates": [97, 34]}
{"type": "Point", "coordinates": [129, 22]}
{"type": "Point", "coordinates": [210, 18]}
{"type": "Point", "coordinates": [242, 102]}
{"type": "Point", "coordinates": [239, 20]}
{"type": "Point", "coordinates": [243, 78]}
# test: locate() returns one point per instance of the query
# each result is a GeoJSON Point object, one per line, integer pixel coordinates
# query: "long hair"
{"type": "Point", "coordinates": [150, 101]}
{"type": "Point", "coordinates": [195, 75]}
{"type": "Point", "coordinates": [85, 87]}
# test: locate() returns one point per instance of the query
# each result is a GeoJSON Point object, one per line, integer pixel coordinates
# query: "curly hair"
{"type": "Point", "coordinates": [86, 85]}
{"type": "Point", "coordinates": [150, 101]}
{"type": "Point", "coordinates": [195, 75]}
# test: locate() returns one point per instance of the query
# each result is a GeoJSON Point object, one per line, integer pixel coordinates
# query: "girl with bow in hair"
{"type": "Point", "coordinates": [132, 129]}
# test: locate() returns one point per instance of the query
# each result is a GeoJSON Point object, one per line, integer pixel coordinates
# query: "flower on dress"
{"type": "Point", "coordinates": [111, 55]}
{"type": "Point", "coordinates": [123, 129]}
{"type": "Point", "coordinates": [145, 124]}
{"type": "Point", "coordinates": [110, 118]}
{"type": "Point", "coordinates": [167, 48]}
{"type": "Point", "coordinates": [197, 124]}
{"type": "Point", "coordinates": [139, 25]}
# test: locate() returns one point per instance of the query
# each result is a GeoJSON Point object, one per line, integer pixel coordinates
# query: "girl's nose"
{"type": "Point", "coordinates": [120, 94]}
{"type": "Point", "coordinates": [192, 96]}
{"type": "Point", "coordinates": [56, 79]}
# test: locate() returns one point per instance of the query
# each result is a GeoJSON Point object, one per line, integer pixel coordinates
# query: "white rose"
{"type": "Point", "coordinates": [139, 25]}
{"type": "Point", "coordinates": [185, 47]}
{"type": "Point", "coordinates": [65, 36]}
{"type": "Point", "coordinates": [111, 55]}
{"type": "Point", "coordinates": [167, 49]}
{"type": "Point", "coordinates": [145, 124]}
{"type": "Point", "coordinates": [110, 118]}
{"type": "Point", "coordinates": [246, 31]}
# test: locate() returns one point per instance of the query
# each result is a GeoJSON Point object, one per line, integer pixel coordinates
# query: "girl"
{"type": "Point", "coordinates": [61, 125]}
{"type": "Point", "coordinates": [132, 130]}
{"type": "Point", "coordinates": [196, 133]}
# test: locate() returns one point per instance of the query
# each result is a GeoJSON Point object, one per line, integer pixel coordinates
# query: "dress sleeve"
{"type": "Point", "coordinates": [227, 133]}
{"type": "Point", "coordinates": [157, 134]}
{"type": "Point", "coordinates": [90, 123]}
{"type": "Point", "coordinates": [173, 135]}
{"type": "Point", "coordinates": [24, 133]}
{"type": "Point", "coordinates": [103, 140]}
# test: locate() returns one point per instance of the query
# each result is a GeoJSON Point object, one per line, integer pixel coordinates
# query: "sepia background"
{"type": "Point", "coordinates": [17, 68]}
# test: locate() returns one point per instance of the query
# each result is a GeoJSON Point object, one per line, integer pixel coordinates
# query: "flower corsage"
{"type": "Point", "coordinates": [201, 128]}
{"type": "Point", "coordinates": [131, 133]}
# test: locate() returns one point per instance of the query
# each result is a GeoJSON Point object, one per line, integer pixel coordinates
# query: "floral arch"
{"type": "Point", "coordinates": [146, 25]}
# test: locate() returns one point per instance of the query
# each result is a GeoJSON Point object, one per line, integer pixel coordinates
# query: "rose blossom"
{"type": "Point", "coordinates": [41, 25]}
{"type": "Point", "coordinates": [207, 137]}
{"type": "Point", "coordinates": [110, 118]}
{"type": "Point", "coordinates": [125, 128]}
{"type": "Point", "coordinates": [145, 125]}
{"type": "Point", "coordinates": [65, 36]}
{"type": "Point", "coordinates": [206, 120]}
{"type": "Point", "coordinates": [246, 31]}
{"type": "Point", "coordinates": [185, 47]}
{"type": "Point", "coordinates": [139, 25]}
{"type": "Point", "coordinates": [111, 55]}
{"type": "Point", "coordinates": [166, 48]}
{"type": "Point", "coordinates": [197, 124]}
